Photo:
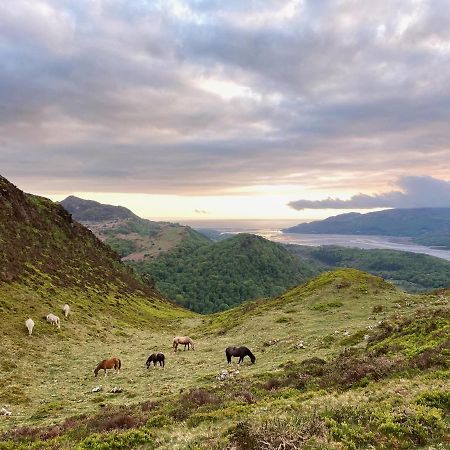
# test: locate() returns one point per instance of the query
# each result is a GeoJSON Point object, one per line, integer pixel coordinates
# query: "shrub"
{"type": "Point", "coordinates": [158, 421]}
{"type": "Point", "coordinates": [346, 371]}
{"type": "Point", "coordinates": [435, 399]}
{"type": "Point", "coordinates": [433, 357]}
{"type": "Point", "coordinates": [193, 400]}
{"type": "Point", "coordinates": [117, 441]}
{"type": "Point", "coordinates": [277, 433]}
{"type": "Point", "coordinates": [199, 397]}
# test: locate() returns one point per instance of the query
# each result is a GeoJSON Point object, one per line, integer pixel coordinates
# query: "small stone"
{"type": "Point", "coordinates": [116, 390]}
{"type": "Point", "coordinates": [5, 412]}
{"type": "Point", "coordinates": [97, 389]}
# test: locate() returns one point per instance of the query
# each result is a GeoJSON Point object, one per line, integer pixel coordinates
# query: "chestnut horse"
{"type": "Point", "coordinates": [112, 363]}
{"type": "Point", "coordinates": [184, 340]}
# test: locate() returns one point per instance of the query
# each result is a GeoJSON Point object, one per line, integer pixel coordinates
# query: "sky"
{"type": "Point", "coordinates": [206, 109]}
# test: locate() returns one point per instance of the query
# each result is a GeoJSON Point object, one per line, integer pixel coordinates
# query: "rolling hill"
{"type": "Point", "coordinates": [134, 238]}
{"type": "Point", "coordinates": [430, 225]}
{"type": "Point", "coordinates": [207, 276]}
{"type": "Point", "coordinates": [215, 276]}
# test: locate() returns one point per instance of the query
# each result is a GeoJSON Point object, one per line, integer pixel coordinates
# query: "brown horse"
{"type": "Point", "coordinates": [184, 340]}
{"type": "Point", "coordinates": [112, 363]}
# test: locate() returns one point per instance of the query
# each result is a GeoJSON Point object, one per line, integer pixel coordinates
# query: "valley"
{"type": "Point", "coordinates": [323, 349]}
{"type": "Point", "coordinates": [212, 270]}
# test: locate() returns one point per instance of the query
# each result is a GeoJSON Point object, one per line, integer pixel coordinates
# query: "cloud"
{"type": "Point", "coordinates": [201, 211]}
{"type": "Point", "coordinates": [203, 97]}
{"type": "Point", "coordinates": [415, 192]}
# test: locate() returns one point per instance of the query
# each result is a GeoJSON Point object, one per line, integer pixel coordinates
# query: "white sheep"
{"type": "Point", "coordinates": [54, 320]}
{"type": "Point", "coordinates": [29, 323]}
{"type": "Point", "coordinates": [66, 310]}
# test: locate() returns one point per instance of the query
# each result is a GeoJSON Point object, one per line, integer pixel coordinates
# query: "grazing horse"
{"type": "Point", "coordinates": [112, 363]}
{"type": "Point", "coordinates": [184, 340]}
{"type": "Point", "coordinates": [29, 323]}
{"type": "Point", "coordinates": [66, 310]}
{"type": "Point", "coordinates": [240, 352]}
{"type": "Point", "coordinates": [155, 358]}
{"type": "Point", "coordinates": [54, 320]}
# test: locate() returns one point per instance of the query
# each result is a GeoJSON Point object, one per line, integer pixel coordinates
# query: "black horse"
{"type": "Point", "coordinates": [240, 352]}
{"type": "Point", "coordinates": [155, 358]}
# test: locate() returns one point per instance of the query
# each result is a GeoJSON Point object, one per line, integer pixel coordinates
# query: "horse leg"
{"type": "Point", "coordinates": [105, 373]}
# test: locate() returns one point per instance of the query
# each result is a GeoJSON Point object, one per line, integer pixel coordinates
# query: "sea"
{"type": "Point", "coordinates": [271, 230]}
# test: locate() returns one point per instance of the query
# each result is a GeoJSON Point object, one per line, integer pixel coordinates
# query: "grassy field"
{"type": "Point", "coordinates": [47, 378]}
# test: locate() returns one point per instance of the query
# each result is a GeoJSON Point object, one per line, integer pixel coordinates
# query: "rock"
{"type": "Point", "coordinates": [227, 374]}
{"type": "Point", "coordinates": [271, 342]}
{"type": "Point", "coordinates": [300, 344]}
{"type": "Point", "coordinates": [5, 412]}
{"type": "Point", "coordinates": [97, 389]}
{"type": "Point", "coordinates": [116, 390]}
{"type": "Point", "coordinates": [366, 337]}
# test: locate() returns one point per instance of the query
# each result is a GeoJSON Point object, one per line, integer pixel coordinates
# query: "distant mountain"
{"type": "Point", "coordinates": [129, 235]}
{"type": "Point", "coordinates": [92, 211]}
{"type": "Point", "coordinates": [215, 276]}
{"type": "Point", "coordinates": [391, 222]}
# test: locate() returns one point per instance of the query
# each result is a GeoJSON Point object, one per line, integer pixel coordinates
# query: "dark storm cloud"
{"type": "Point", "coordinates": [415, 192]}
{"type": "Point", "coordinates": [117, 95]}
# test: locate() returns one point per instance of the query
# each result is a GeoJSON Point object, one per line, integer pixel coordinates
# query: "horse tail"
{"type": "Point", "coordinates": [228, 355]}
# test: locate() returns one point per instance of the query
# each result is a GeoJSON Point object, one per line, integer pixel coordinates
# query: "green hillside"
{"type": "Point", "coordinates": [391, 222]}
{"type": "Point", "coordinates": [343, 361]}
{"type": "Point", "coordinates": [413, 272]}
{"type": "Point", "coordinates": [47, 260]}
{"type": "Point", "coordinates": [132, 237]}
{"type": "Point", "coordinates": [216, 276]}
{"type": "Point", "coordinates": [438, 240]}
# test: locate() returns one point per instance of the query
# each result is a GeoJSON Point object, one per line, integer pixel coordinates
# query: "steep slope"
{"type": "Point", "coordinates": [132, 237]}
{"type": "Point", "coordinates": [47, 259]}
{"type": "Point", "coordinates": [391, 222]}
{"type": "Point", "coordinates": [413, 272]}
{"type": "Point", "coordinates": [215, 276]}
